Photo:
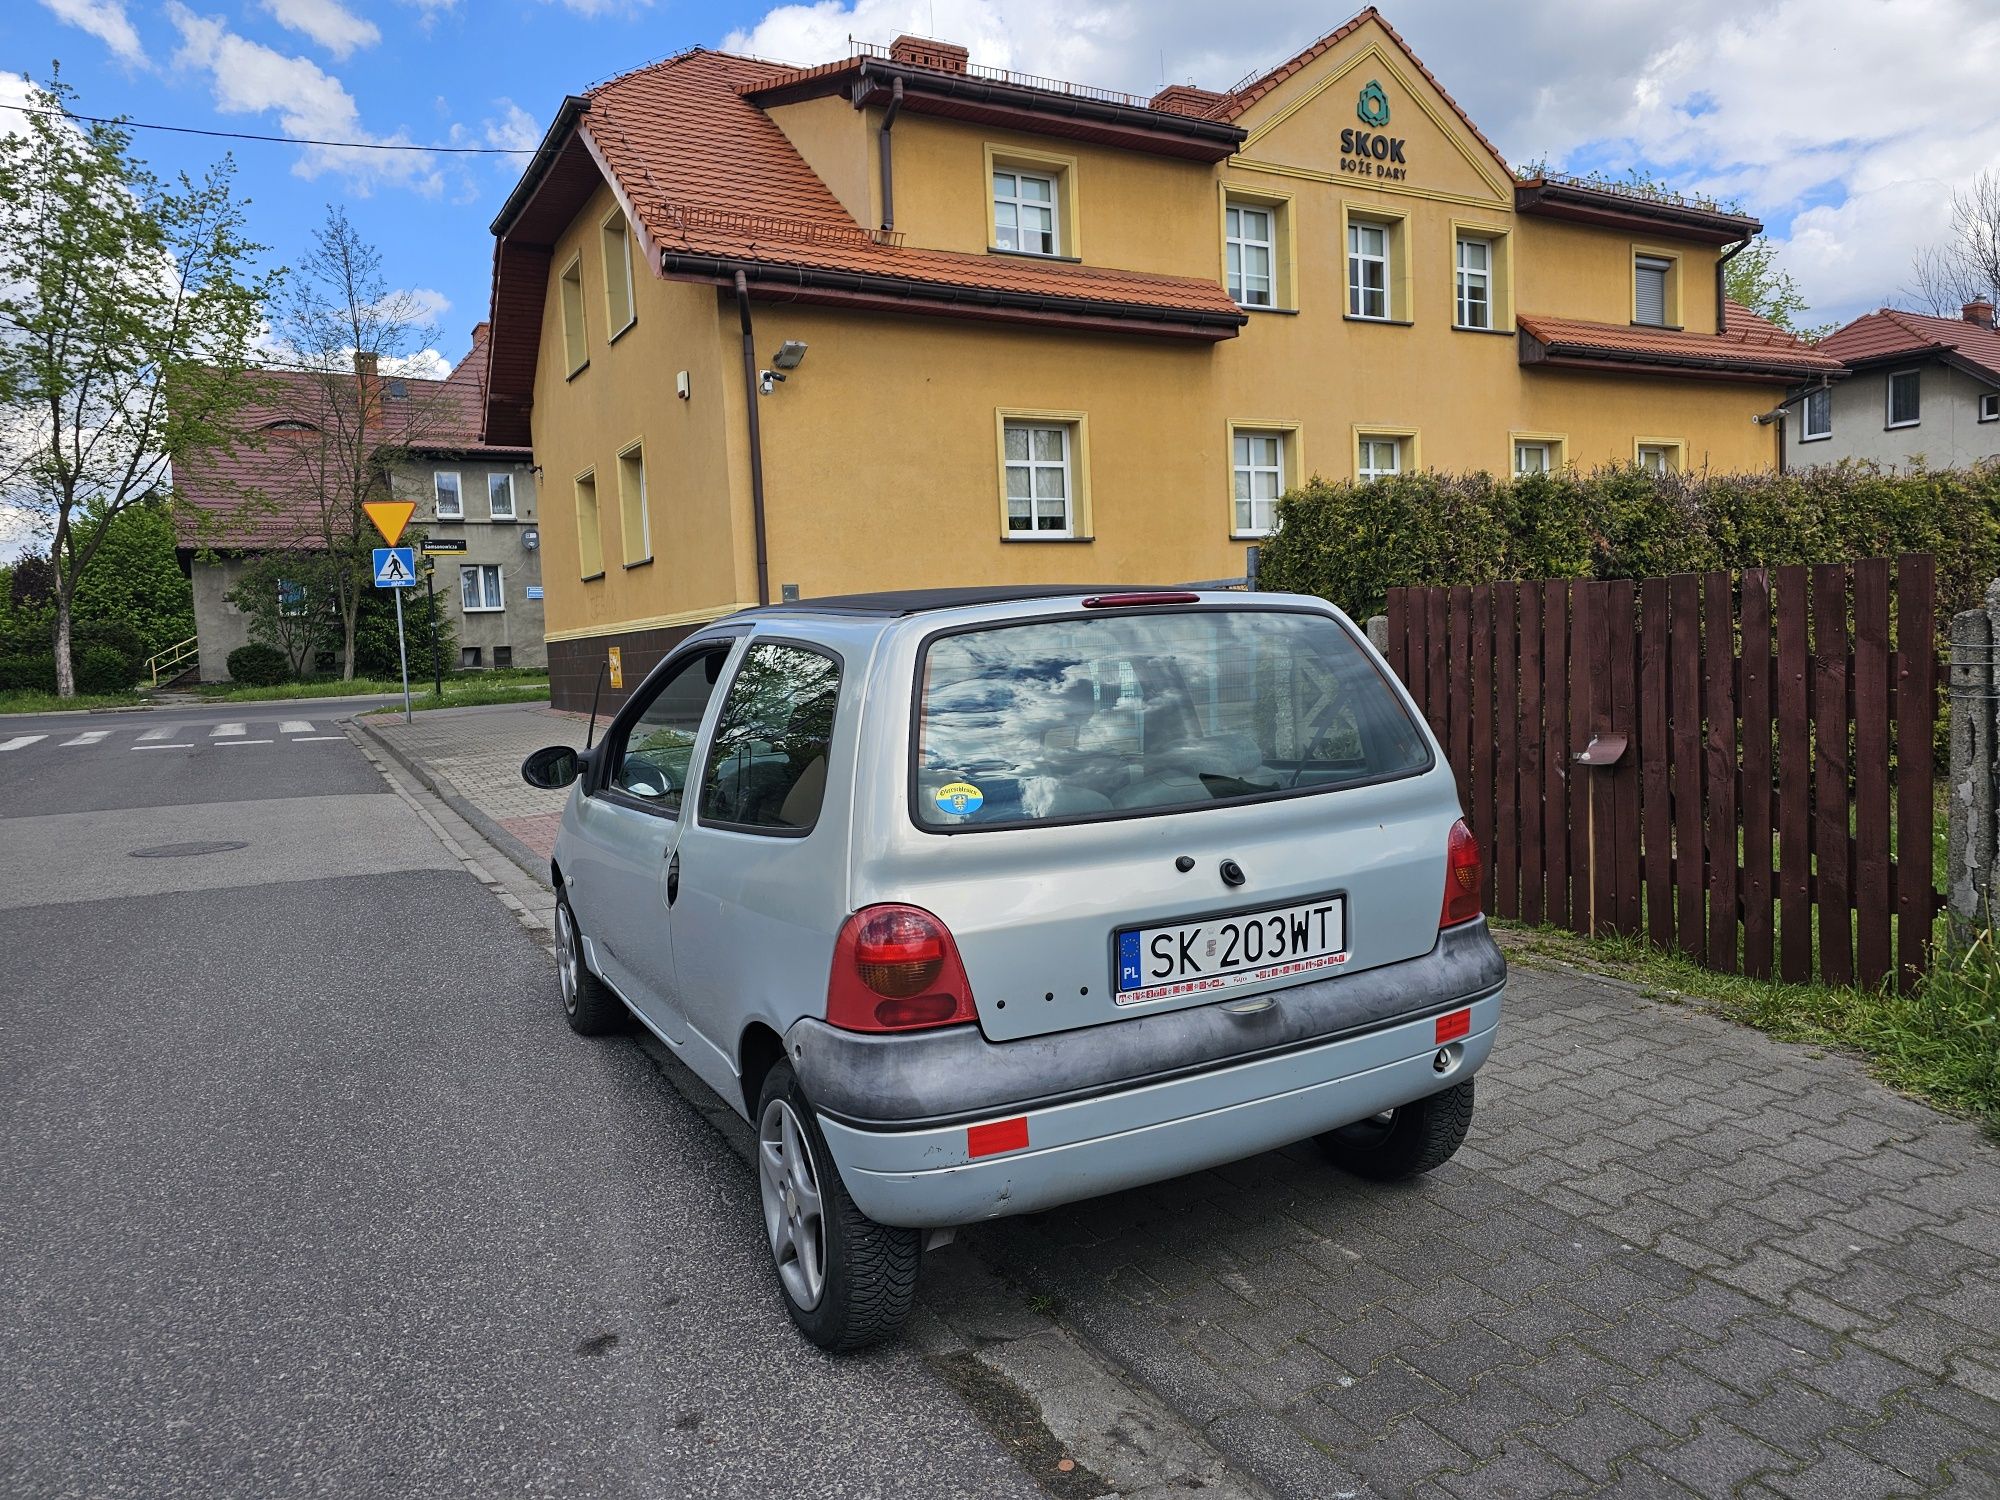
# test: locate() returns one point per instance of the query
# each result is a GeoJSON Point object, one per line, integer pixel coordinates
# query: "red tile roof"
{"type": "Point", "coordinates": [254, 495]}
{"type": "Point", "coordinates": [1749, 345]}
{"type": "Point", "coordinates": [1887, 333]}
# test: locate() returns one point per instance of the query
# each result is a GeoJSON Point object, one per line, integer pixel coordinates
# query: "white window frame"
{"type": "Point", "coordinates": [613, 228]}
{"type": "Point", "coordinates": [1016, 202]}
{"type": "Point", "coordinates": [1358, 291]}
{"type": "Point", "coordinates": [512, 512]}
{"type": "Point", "coordinates": [1807, 432]}
{"type": "Point", "coordinates": [1238, 247]}
{"type": "Point", "coordinates": [1534, 445]}
{"type": "Point", "coordinates": [575, 325]}
{"type": "Point", "coordinates": [1245, 466]}
{"type": "Point", "coordinates": [1662, 267]}
{"type": "Point", "coordinates": [1667, 453]}
{"type": "Point", "coordinates": [1465, 279]}
{"type": "Point", "coordinates": [1033, 466]}
{"type": "Point", "coordinates": [484, 573]}
{"type": "Point", "coordinates": [1365, 455]}
{"type": "Point", "coordinates": [634, 459]}
{"type": "Point", "coordinates": [1889, 399]}
{"type": "Point", "coordinates": [457, 511]}
{"type": "Point", "coordinates": [1989, 406]}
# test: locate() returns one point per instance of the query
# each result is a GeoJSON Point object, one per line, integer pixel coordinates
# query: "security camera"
{"type": "Point", "coordinates": [767, 381]}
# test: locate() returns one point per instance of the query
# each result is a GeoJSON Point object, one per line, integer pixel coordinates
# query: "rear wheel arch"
{"type": "Point", "coordinates": [757, 1052]}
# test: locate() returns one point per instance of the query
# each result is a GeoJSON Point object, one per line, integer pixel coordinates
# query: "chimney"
{"type": "Point", "coordinates": [1979, 311]}
{"type": "Point", "coordinates": [1186, 99]}
{"type": "Point", "coordinates": [365, 364]}
{"type": "Point", "coordinates": [922, 52]}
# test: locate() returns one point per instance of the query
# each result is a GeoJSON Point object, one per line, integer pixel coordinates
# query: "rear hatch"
{"type": "Point", "coordinates": [1124, 810]}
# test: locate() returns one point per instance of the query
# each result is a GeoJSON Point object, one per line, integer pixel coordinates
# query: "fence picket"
{"type": "Point", "coordinates": [1758, 915]}
{"type": "Point", "coordinates": [1396, 607]}
{"type": "Point", "coordinates": [1795, 937]}
{"type": "Point", "coordinates": [1719, 666]}
{"type": "Point", "coordinates": [1831, 846]}
{"type": "Point", "coordinates": [1874, 907]}
{"type": "Point", "coordinates": [1481, 755]}
{"type": "Point", "coordinates": [1689, 840]}
{"type": "Point", "coordinates": [1437, 643]}
{"type": "Point", "coordinates": [1458, 710]}
{"type": "Point", "coordinates": [1555, 740]}
{"type": "Point", "coordinates": [1916, 706]}
{"type": "Point", "coordinates": [1533, 903]}
{"type": "Point", "coordinates": [1656, 756]}
{"type": "Point", "coordinates": [1621, 685]}
{"type": "Point", "coordinates": [1506, 737]}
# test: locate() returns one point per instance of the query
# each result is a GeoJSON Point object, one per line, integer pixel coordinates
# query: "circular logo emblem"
{"type": "Point", "coordinates": [959, 798]}
{"type": "Point", "coordinates": [1373, 106]}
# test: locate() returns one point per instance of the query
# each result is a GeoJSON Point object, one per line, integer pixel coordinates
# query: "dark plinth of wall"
{"type": "Point", "coordinates": [574, 665]}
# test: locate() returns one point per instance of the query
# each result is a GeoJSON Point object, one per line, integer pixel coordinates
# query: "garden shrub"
{"type": "Point", "coordinates": [259, 665]}
{"type": "Point", "coordinates": [28, 674]}
{"type": "Point", "coordinates": [102, 669]}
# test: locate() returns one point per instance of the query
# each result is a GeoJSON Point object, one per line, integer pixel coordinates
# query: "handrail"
{"type": "Point", "coordinates": [173, 656]}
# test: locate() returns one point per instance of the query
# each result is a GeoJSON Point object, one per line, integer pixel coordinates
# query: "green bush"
{"type": "Point", "coordinates": [1352, 542]}
{"type": "Point", "coordinates": [375, 633]}
{"type": "Point", "coordinates": [259, 665]}
{"type": "Point", "coordinates": [28, 674]}
{"type": "Point", "coordinates": [102, 669]}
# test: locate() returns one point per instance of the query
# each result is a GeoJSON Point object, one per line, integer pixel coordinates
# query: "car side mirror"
{"type": "Point", "coordinates": [552, 768]}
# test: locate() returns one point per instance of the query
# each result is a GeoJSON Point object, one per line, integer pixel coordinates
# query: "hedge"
{"type": "Point", "coordinates": [258, 665]}
{"type": "Point", "coordinates": [1352, 542]}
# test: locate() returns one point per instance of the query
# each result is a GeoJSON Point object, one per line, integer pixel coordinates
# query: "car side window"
{"type": "Point", "coordinates": [652, 764]}
{"type": "Point", "coordinates": [767, 763]}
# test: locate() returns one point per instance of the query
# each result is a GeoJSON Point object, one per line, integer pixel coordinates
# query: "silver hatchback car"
{"type": "Point", "coordinates": [978, 901]}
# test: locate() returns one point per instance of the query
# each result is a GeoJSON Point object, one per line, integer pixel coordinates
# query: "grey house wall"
{"type": "Point", "coordinates": [1948, 435]}
{"type": "Point", "coordinates": [219, 626]}
{"type": "Point", "coordinates": [515, 630]}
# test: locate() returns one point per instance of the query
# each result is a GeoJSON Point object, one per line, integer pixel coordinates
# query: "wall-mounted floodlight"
{"type": "Point", "coordinates": [790, 355]}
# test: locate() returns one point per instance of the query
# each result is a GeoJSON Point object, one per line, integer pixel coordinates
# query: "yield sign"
{"type": "Point", "coordinates": [390, 516]}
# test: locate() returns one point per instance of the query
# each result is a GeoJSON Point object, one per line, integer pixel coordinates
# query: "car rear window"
{"type": "Point", "coordinates": [1109, 716]}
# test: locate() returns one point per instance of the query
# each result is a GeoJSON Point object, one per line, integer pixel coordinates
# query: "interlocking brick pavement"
{"type": "Point", "coordinates": [1675, 1257]}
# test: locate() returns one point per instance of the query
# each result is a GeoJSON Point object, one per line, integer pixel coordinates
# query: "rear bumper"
{"type": "Point", "coordinates": [925, 1178]}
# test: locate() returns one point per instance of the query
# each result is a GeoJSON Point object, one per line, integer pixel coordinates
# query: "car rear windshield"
{"type": "Point", "coordinates": [1107, 716]}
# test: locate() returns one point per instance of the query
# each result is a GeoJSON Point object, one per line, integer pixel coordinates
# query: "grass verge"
{"type": "Point", "coordinates": [232, 692]}
{"type": "Point", "coordinates": [49, 703]}
{"type": "Point", "coordinates": [467, 693]}
{"type": "Point", "coordinates": [1940, 1043]}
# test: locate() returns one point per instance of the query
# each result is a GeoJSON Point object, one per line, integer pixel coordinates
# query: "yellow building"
{"type": "Point", "coordinates": [900, 321]}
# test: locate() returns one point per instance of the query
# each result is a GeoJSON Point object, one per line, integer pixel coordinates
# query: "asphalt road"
{"type": "Point", "coordinates": [306, 1190]}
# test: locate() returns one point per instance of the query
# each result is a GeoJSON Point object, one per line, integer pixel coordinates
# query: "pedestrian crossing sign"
{"type": "Point", "coordinates": [395, 568]}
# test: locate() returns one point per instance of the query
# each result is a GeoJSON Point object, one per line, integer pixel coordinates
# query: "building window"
{"type": "Point", "coordinates": [616, 243]}
{"type": "Point", "coordinates": [1658, 457]}
{"type": "Point", "coordinates": [1024, 212]}
{"type": "Point", "coordinates": [1378, 457]}
{"type": "Point", "coordinates": [468, 657]}
{"type": "Point", "coordinates": [589, 537]}
{"type": "Point", "coordinates": [1037, 461]}
{"type": "Point", "coordinates": [479, 588]}
{"type": "Point", "coordinates": [1250, 237]}
{"type": "Point", "coordinates": [1367, 270]}
{"type": "Point", "coordinates": [1475, 283]}
{"type": "Point", "coordinates": [291, 598]}
{"type": "Point", "coordinates": [450, 499]}
{"type": "Point", "coordinates": [1533, 458]}
{"type": "Point", "coordinates": [1989, 407]}
{"type": "Point", "coordinates": [500, 496]}
{"type": "Point", "coordinates": [1904, 407]}
{"type": "Point", "coordinates": [1817, 413]}
{"type": "Point", "coordinates": [1258, 461]}
{"type": "Point", "coordinates": [576, 352]}
{"type": "Point", "coordinates": [637, 526]}
{"type": "Point", "coordinates": [1652, 299]}
{"type": "Point", "coordinates": [503, 656]}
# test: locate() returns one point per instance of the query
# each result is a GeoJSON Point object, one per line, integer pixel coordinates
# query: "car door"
{"type": "Point", "coordinates": [629, 825]}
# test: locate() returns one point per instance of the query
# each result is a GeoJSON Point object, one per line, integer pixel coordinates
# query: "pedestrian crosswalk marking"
{"type": "Point", "coordinates": [233, 743]}
{"type": "Point", "coordinates": [295, 726]}
{"type": "Point", "coordinates": [314, 739]}
{"type": "Point", "coordinates": [161, 734]}
{"type": "Point", "coordinates": [88, 737]}
{"type": "Point", "coordinates": [224, 731]}
{"type": "Point", "coordinates": [19, 740]}
{"type": "Point", "coordinates": [163, 747]}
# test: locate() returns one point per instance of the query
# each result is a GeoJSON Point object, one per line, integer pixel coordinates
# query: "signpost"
{"type": "Point", "coordinates": [395, 568]}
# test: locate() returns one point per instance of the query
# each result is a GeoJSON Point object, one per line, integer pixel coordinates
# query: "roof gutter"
{"type": "Point", "coordinates": [1693, 366]}
{"type": "Point", "coordinates": [756, 436]}
{"type": "Point", "coordinates": [572, 109]}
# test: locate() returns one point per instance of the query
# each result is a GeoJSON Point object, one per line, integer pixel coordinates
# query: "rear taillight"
{"type": "Point", "coordinates": [895, 968]}
{"type": "Point", "coordinates": [1463, 869]}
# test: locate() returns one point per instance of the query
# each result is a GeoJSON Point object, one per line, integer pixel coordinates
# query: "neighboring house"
{"type": "Point", "coordinates": [1919, 389]}
{"type": "Point", "coordinates": [899, 319]}
{"type": "Point", "coordinates": [239, 503]}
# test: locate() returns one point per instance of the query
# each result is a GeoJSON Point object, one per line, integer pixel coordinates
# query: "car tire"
{"type": "Point", "coordinates": [847, 1281]}
{"type": "Point", "coordinates": [589, 1004]}
{"type": "Point", "coordinates": [1406, 1141]}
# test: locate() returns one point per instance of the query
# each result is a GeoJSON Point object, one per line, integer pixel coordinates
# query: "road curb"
{"type": "Point", "coordinates": [517, 853]}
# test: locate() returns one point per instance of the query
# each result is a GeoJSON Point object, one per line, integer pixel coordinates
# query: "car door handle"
{"type": "Point", "coordinates": [673, 876]}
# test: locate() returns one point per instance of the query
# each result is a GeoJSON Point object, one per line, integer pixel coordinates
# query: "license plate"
{"type": "Point", "coordinates": [1224, 953]}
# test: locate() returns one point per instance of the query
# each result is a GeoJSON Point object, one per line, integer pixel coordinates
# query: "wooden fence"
{"type": "Point", "coordinates": [1770, 808]}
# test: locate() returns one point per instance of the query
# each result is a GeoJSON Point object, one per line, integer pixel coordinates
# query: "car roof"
{"type": "Point", "coordinates": [897, 602]}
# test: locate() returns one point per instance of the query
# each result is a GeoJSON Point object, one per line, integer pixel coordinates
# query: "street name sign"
{"type": "Point", "coordinates": [395, 568]}
{"type": "Point", "coordinates": [390, 517]}
{"type": "Point", "coordinates": [444, 544]}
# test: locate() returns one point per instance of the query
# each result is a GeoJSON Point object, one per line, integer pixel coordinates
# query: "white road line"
{"type": "Point", "coordinates": [163, 747]}
{"type": "Point", "coordinates": [224, 731]}
{"type": "Point", "coordinates": [88, 737]}
{"type": "Point", "coordinates": [161, 734]}
{"type": "Point", "coordinates": [314, 739]}
{"type": "Point", "coordinates": [296, 726]}
{"type": "Point", "coordinates": [20, 740]}
{"type": "Point", "coordinates": [243, 742]}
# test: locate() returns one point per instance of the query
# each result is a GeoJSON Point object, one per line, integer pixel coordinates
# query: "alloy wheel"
{"type": "Point", "coordinates": [793, 1220]}
{"type": "Point", "coordinates": [567, 959]}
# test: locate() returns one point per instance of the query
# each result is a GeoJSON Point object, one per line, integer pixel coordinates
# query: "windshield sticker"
{"type": "Point", "coordinates": [959, 798]}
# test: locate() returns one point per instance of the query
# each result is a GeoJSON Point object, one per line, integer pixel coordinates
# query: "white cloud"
{"type": "Point", "coordinates": [104, 19]}
{"type": "Point", "coordinates": [327, 22]}
{"type": "Point", "coordinates": [419, 304]}
{"type": "Point", "coordinates": [249, 78]}
{"type": "Point", "coordinates": [514, 130]}
{"type": "Point", "coordinates": [595, 8]}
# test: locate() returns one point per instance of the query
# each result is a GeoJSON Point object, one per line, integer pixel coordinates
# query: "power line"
{"type": "Point", "coordinates": [280, 140]}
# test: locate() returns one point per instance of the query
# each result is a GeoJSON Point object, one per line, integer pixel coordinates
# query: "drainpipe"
{"type": "Point", "coordinates": [883, 153]}
{"type": "Point", "coordinates": [756, 437]}
{"type": "Point", "coordinates": [1722, 260]}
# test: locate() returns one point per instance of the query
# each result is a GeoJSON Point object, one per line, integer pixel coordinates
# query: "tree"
{"type": "Point", "coordinates": [290, 599]}
{"type": "Point", "coordinates": [1967, 265]}
{"type": "Point", "coordinates": [347, 332]}
{"type": "Point", "coordinates": [114, 288]}
{"type": "Point", "coordinates": [1754, 278]}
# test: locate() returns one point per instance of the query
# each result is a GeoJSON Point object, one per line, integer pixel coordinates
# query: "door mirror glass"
{"type": "Point", "coordinates": [552, 768]}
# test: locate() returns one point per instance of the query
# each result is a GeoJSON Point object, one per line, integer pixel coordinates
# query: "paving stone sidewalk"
{"type": "Point", "coordinates": [1675, 1258]}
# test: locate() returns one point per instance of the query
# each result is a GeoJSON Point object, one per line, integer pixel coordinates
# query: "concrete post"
{"type": "Point", "coordinates": [1969, 823]}
{"type": "Point", "coordinates": [1378, 633]}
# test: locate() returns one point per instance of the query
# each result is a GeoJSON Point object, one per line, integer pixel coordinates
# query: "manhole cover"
{"type": "Point", "coordinates": [176, 851]}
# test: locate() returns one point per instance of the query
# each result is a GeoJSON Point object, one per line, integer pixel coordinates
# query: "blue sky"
{"type": "Point", "coordinates": [1843, 123]}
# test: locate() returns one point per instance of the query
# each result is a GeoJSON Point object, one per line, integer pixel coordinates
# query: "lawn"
{"type": "Point", "coordinates": [468, 691]}
{"type": "Point", "coordinates": [48, 703]}
{"type": "Point", "coordinates": [512, 680]}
